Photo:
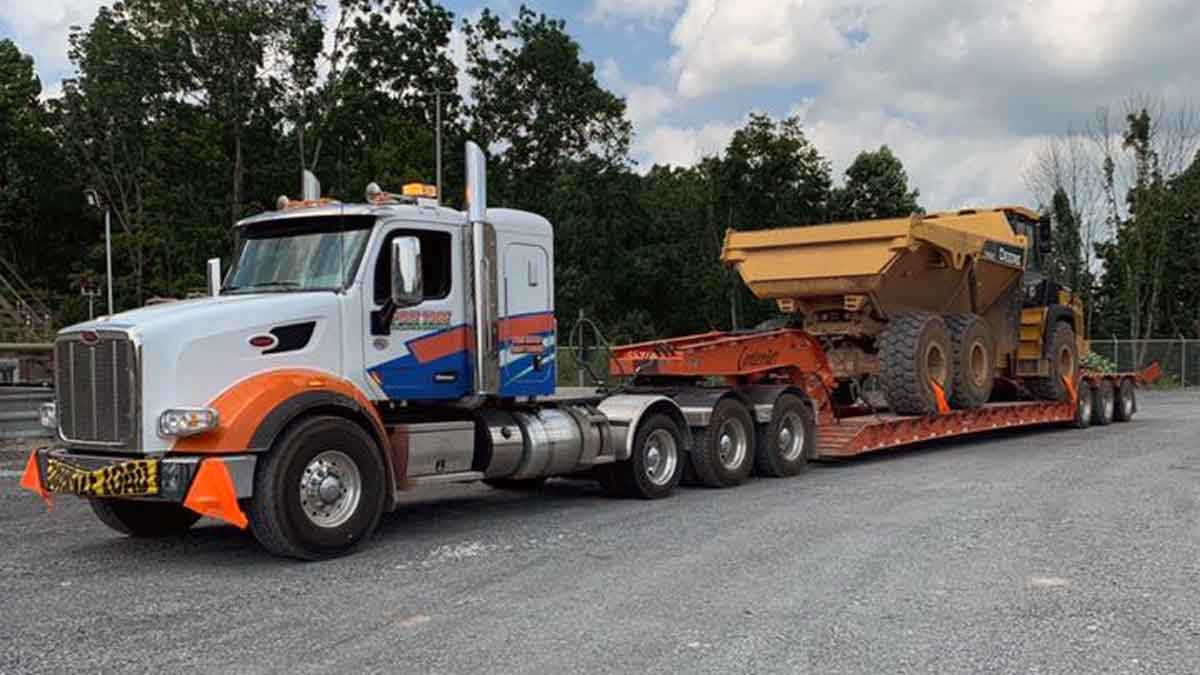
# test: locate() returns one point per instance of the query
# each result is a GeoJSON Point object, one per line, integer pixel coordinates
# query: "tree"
{"type": "Point", "coordinates": [536, 103]}
{"type": "Point", "coordinates": [876, 187]}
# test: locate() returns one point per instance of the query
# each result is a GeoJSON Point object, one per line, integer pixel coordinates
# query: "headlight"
{"type": "Point", "coordinates": [48, 415]}
{"type": "Point", "coordinates": [177, 422]}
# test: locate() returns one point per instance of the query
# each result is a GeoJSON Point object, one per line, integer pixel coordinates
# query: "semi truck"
{"type": "Point", "coordinates": [356, 351]}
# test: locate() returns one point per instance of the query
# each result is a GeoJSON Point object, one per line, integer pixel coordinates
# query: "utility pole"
{"type": "Point", "coordinates": [437, 135]}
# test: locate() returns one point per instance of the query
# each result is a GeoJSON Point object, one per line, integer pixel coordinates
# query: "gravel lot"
{"type": "Point", "coordinates": [1057, 551]}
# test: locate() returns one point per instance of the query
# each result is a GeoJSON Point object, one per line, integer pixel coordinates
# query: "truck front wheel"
{"type": "Point", "coordinates": [144, 519]}
{"type": "Point", "coordinates": [319, 491]}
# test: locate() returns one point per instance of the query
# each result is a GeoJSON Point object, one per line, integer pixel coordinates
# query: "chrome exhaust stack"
{"type": "Point", "coordinates": [482, 256]}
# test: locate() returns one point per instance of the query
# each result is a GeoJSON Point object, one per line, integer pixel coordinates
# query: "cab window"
{"type": "Point", "coordinates": [435, 264]}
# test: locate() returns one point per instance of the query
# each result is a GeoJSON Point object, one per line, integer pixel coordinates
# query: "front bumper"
{"type": "Point", "coordinates": [210, 486]}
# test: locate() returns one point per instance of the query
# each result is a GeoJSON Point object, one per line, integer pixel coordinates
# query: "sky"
{"type": "Point", "coordinates": [963, 91]}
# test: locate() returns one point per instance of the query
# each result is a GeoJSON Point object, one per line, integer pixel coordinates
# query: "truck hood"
{"type": "Point", "coordinates": [191, 351]}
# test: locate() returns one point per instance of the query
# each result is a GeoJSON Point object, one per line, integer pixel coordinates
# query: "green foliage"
{"type": "Point", "coordinates": [1097, 363]}
{"type": "Point", "coordinates": [876, 187]}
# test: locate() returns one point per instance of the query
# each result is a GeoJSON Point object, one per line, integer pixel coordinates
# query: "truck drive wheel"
{"type": "Point", "coordinates": [144, 519]}
{"type": "Point", "coordinates": [915, 351]}
{"type": "Point", "coordinates": [1126, 401]}
{"type": "Point", "coordinates": [785, 444]}
{"type": "Point", "coordinates": [725, 454]}
{"type": "Point", "coordinates": [974, 359]}
{"type": "Point", "coordinates": [1103, 403]}
{"type": "Point", "coordinates": [1083, 406]}
{"type": "Point", "coordinates": [319, 491]}
{"type": "Point", "coordinates": [656, 465]}
{"type": "Point", "coordinates": [1064, 362]}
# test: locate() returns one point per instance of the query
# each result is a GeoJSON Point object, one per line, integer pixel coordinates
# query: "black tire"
{"type": "Point", "coordinates": [914, 349]}
{"type": "Point", "coordinates": [516, 484]}
{"type": "Point", "coordinates": [143, 518]}
{"type": "Point", "coordinates": [634, 477]}
{"type": "Point", "coordinates": [974, 358]}
{"type": "Point", "coordinates": [1126, 401]}
{"type": "Point", "coordinates": [278, 517]}
{"type": "Point", "coordinates": [725, 454]}
{"type": "Point", "coordinates": [791, 423]}
{"type": "Point", "coordinates": [1083, 407]}
{"type": "Point", "coordinates": [1103, 403]}
{"type": "Point", "coordinates": [1063, 355]}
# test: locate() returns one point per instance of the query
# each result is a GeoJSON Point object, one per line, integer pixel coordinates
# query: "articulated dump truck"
{"type": "Point", "coordinates": [937, 306]}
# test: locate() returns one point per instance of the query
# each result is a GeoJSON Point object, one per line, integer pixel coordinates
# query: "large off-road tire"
{"type": "Point", "coordinates": [915, 350]}
{"type": "Point", "coordinates": [143, 518]}
{"type": "Point", "coordinates": [725, 453]}
{"type": "Point", "coordinates": [1126, 403]}
{"type": "Point", "coordinates": [319, 491]}
{"type": "Point", "coordinates": [974, 356]}
{"type": "Point", "coordinates": [1083, 407]}
{"type": "Point", "coordinates": [1103, 404]}
{"type": "Point", "coordinates": [1064, 362]}
{"type": "Point", "coordinates": [516, 484]}
{"type": "Point", "coordinates": [785, 444]}
{"type": "Point", "coordinates": [656, 465]}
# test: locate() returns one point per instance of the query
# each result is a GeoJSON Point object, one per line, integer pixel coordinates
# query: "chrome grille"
{"type": "Point", "coordinates": [96, 389]}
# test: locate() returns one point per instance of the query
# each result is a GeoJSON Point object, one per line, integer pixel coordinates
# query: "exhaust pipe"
{"type": "Point", "coordinates": [214, 276]}
{"type": "Point", "coordinates": [483, 263]}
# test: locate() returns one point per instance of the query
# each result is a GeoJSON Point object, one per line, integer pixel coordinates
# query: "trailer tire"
{"type": "Point", "coordinates": [785, 444]}
{"type": "Point", "coordinates": [1083, 406]}
{"type": "Point", "coordinates": [1063, 355]}
{"type": "Point", "coordinates": [1126, 401]}
{"type": "Point", "coordinates": [725, 454]}
{"type": "Point", "coordinates": [654, 469]}
{"type": "Point", "coordinates": [915, 349]}
{"type": "Point", "coordinates": [516, 484]}
{"type": "Point", "coordinates": [144, 519]}
{"type": "Point", "coordinates": [1103, 403]}
{"type": "Point", "coordinates": [334, 459]}
{"type": "Point", "coordinates": [974, 359]}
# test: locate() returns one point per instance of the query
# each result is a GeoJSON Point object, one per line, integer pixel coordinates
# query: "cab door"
{"type": "Point", "coordinates": [421, 354]}
{"type": "Point", "coordinates": [527, 329]}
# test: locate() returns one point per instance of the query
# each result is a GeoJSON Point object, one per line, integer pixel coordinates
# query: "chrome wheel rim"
{"type": "Point", "coordinates": [1085, 407]}
{"type": "Point", "coordinates": [1127, 405]}
{"type": "Point", "coordinates": [732, 444]}
{"type": "Point", "coordinates": [791, 437]}
{"type": "Point", "coordinates": [661, 455]}
{"type": "Point", "coordinates": [330, 489]}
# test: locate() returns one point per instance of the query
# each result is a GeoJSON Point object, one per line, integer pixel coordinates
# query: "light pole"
{"type": "Point", "coordinates": [437, 143]}
{"type": "Point", "coordinates": [93, 199]}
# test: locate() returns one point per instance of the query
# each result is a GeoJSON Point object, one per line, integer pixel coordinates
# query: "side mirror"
{"type": "Point", "coordinates": [407, 286]}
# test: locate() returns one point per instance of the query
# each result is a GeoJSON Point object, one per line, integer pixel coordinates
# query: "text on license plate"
{"type": "Point", "coordinates": [134, 478]}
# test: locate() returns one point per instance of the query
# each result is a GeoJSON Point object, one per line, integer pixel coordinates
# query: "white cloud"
{"type": "Point", "coordinates": [682, 146]}
{"type": "Point", "coordinates": [40, 29]}
{"type": "Point", "coordinates": [601, 10]}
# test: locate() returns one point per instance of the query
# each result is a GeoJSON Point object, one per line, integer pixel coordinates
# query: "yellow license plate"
{"type": "Point", "coordinates": [135, 478]}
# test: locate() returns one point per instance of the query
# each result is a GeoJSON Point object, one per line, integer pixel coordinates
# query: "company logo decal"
{"type": "Point", "coordinates": [420, 320]}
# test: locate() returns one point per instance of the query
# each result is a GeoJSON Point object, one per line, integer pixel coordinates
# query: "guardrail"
{"type": "Point", "coordinates": [19, 412]}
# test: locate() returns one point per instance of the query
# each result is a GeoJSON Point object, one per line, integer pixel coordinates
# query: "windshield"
{"type": "Point", "coordinates": [299, 254]}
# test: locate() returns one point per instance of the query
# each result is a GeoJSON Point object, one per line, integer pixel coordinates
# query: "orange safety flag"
{"type": "Point", "coordinates": [32, 480]}
{"type": "Point", "coordinates": [212, 494]}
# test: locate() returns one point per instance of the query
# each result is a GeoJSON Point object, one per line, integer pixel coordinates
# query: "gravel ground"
{"type": "Point", "coordinates": [1050, 552]}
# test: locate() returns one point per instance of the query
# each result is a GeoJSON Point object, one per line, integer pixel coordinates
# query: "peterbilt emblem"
{"type": "Point", "coordinates": [89, 337]}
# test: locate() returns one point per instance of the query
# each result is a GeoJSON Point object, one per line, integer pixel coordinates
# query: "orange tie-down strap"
{"type": "Point", "coordinates": [213, 494]}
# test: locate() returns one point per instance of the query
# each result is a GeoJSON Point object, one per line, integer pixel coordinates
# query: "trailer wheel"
{"type": "Point", "coordinates": [1064, 362]}
{"type": "Point", "coordinates": [1103, 403]}
{"type": "Point", "coordinates": [319, 491]}
{"type": "Point", "coordinates": [144, 519]}
{"type": "Point", "coordinates": [725, 454]}
{"type": "Point", "coordinates": [656, 465]}
{"type": "Point", "coordinates": [1083, 406]}
{"type": "Point", "coordinates": [915, 351]}
{"type": "Point", "coordinates": [974, 353]}
{"type": "Point", "coordinates": [785, 444]}
{"type": "Point", "coordinates": [516, 484]}
{"type": "Point", "coordinates": [1126, 403]}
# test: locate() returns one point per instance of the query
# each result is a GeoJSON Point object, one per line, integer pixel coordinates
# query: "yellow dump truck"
{"type": "Point", "coordinates": [936, 305]}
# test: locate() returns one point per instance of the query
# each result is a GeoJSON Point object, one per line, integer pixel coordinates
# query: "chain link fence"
{"type": "Point", "coordinates": [1179, 358]}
